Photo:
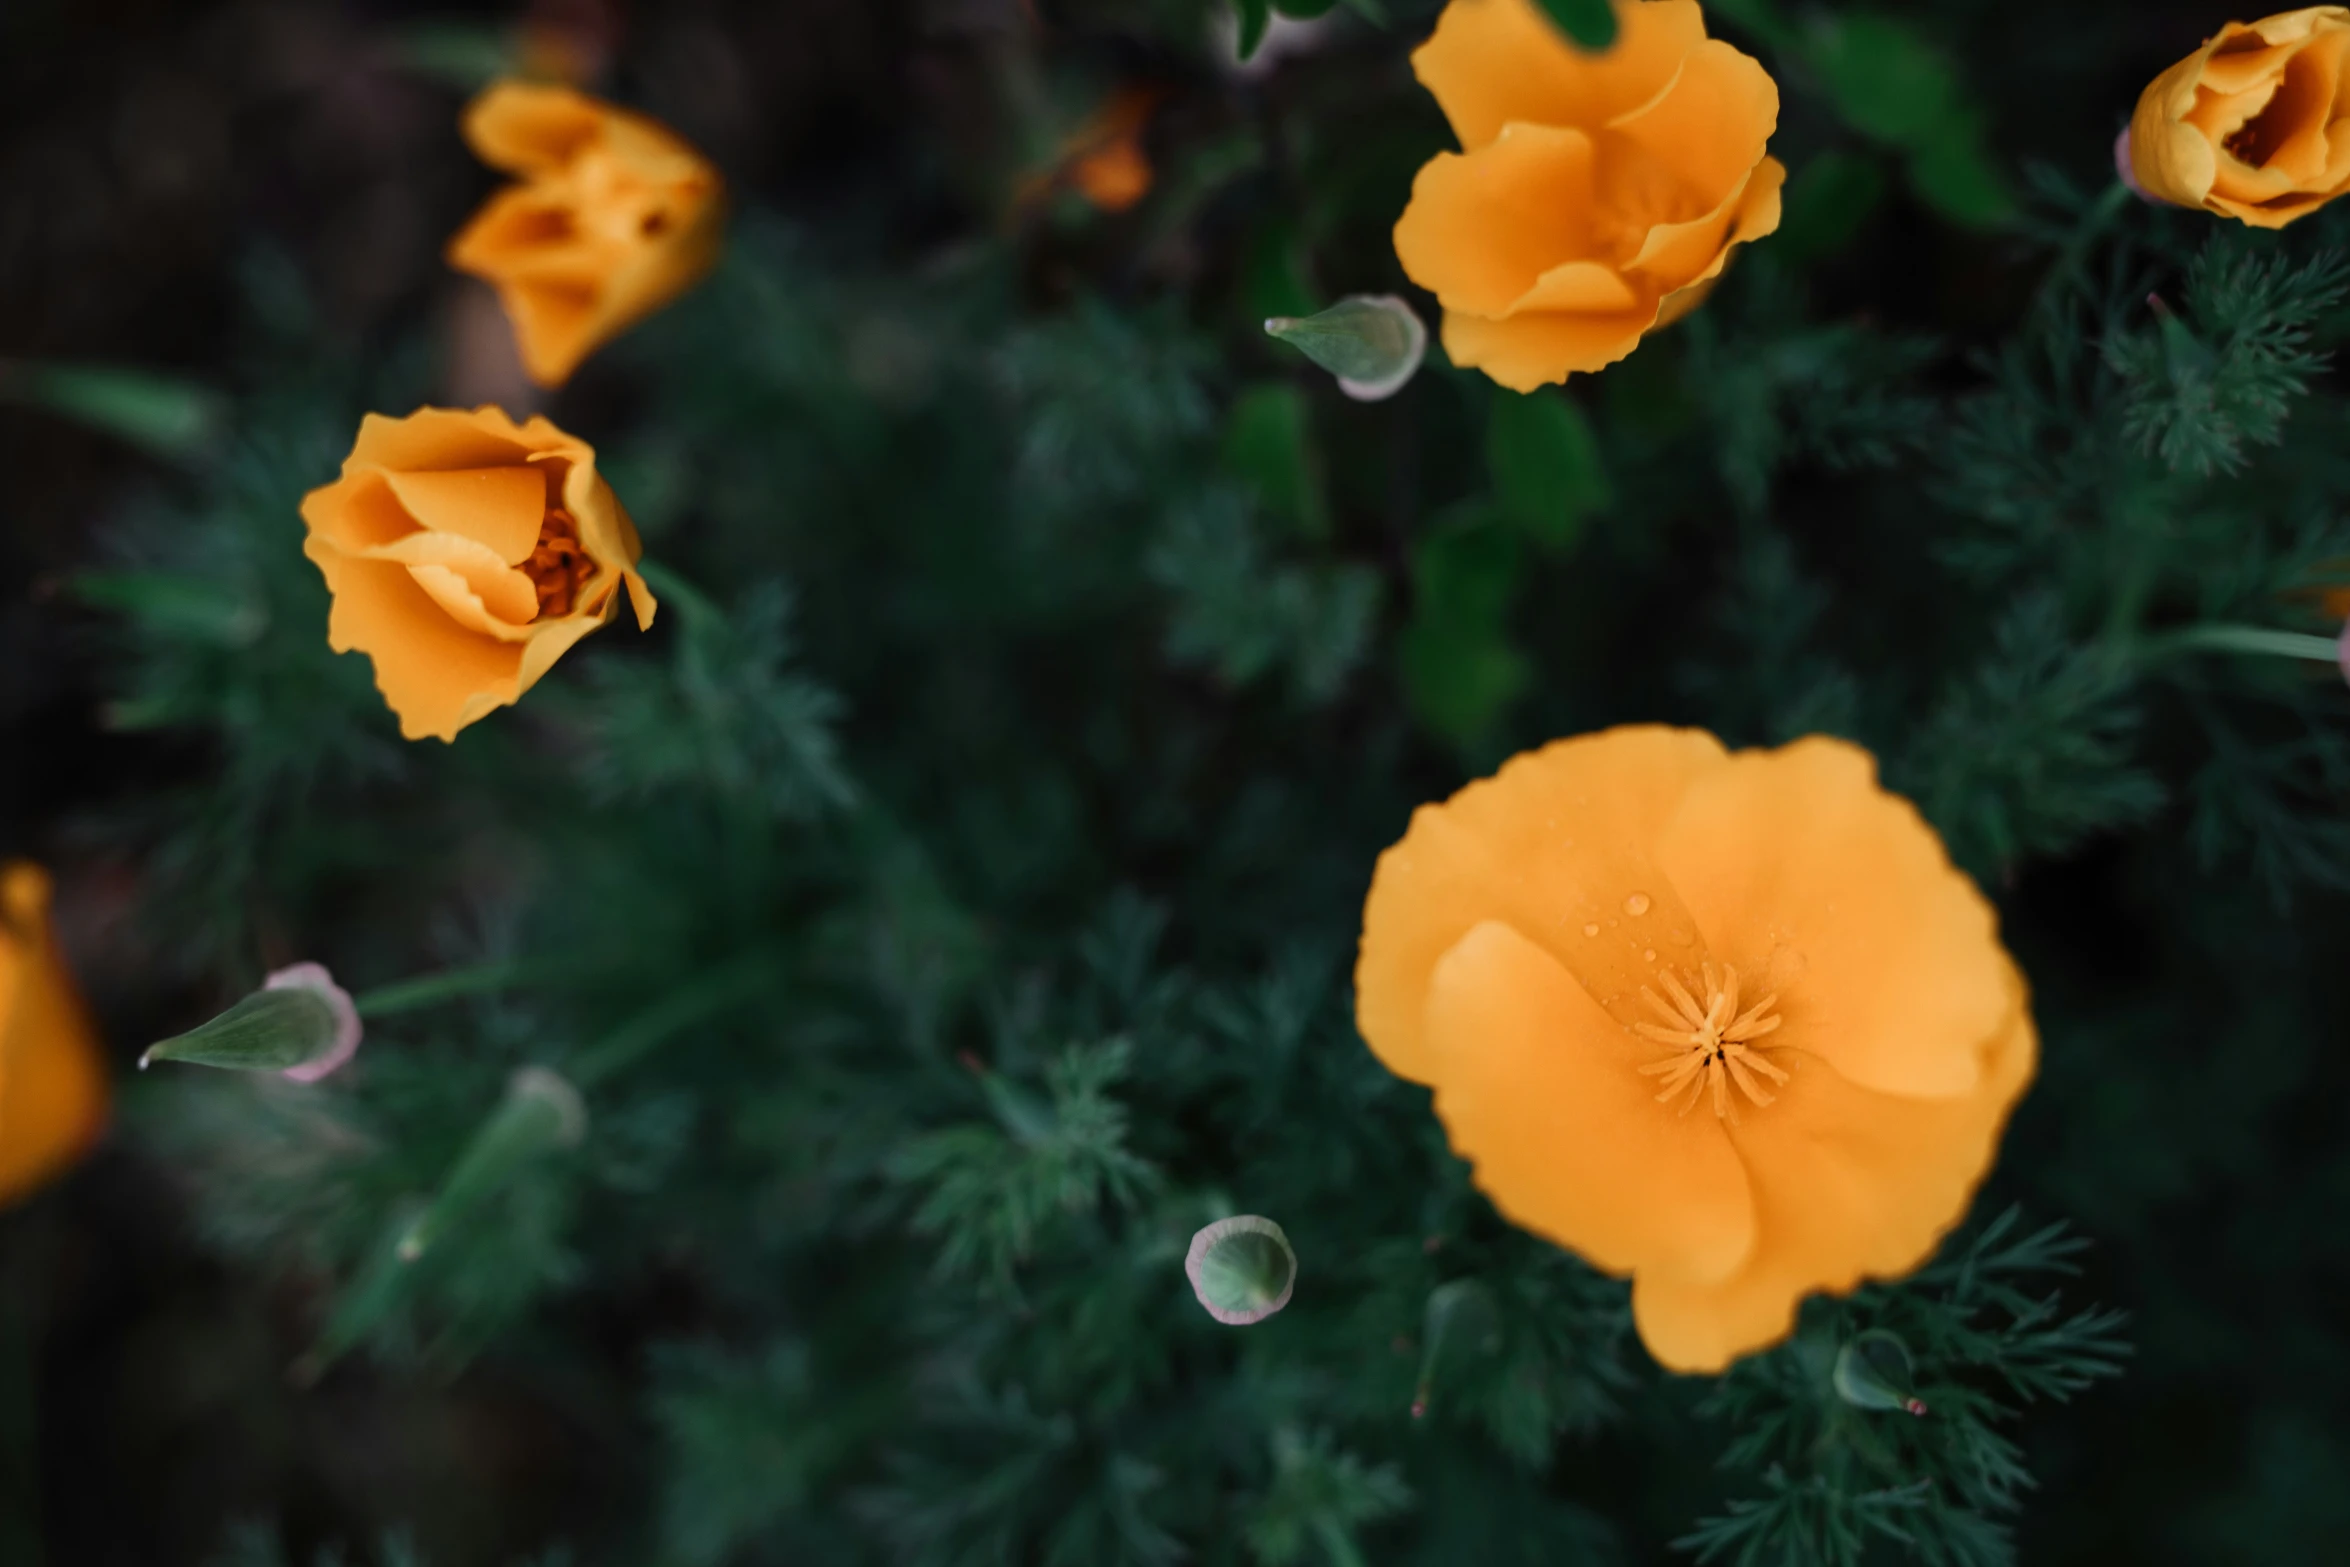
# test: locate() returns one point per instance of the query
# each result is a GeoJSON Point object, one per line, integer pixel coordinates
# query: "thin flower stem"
{"type": "Point", "coordinates": [430, 990]}
{"type": "Point", "coordinates": [2258, 640]}
{"type": "Point", "coordinates": [680, 1010]}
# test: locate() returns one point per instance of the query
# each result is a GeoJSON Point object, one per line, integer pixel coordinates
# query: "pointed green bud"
{"type": "Point", "coordinates": [1241, 1269]}
{"type": "Point", "coordinates": [1373, 343]}
{"type": "Point", "coordinates": [299, 1024]}
{"type": "Point", "coordinates": [1459, 1323]}
{"type": "Point", "coordinates": [1874, 1372]}
{"type": "Point", "coordinates": [540, 1114]}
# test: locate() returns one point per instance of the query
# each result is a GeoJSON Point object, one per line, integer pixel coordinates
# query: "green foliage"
{"type": "Point", "coordinates": [2205, 385]}
{"type": "Point", "coordinates": [945, 910]}
{"type": "Point", "coordinates": [1982, 1339]}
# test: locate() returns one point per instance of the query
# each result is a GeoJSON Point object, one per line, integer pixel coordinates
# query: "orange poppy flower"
{"type": "Point", "coordinates": [1596, 197]}
{"type": "Point", "coordinates": [614, 217]}
{"type": "Point", "coordinates": [1728, 1023]}
{"type": "Point", "coordinates": [2249, 125]}
{"type": "Point", "coordinates": [52, 1073]}
{"type": "Point", "coordinates": [466, 553]}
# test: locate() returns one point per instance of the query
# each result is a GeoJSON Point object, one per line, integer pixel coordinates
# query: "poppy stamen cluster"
{"type": "Point", "coordinates": [1716, 1040]}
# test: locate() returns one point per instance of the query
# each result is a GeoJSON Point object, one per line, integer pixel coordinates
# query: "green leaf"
{"type": "Point", "coordinates": [1886, 79]}
{"type": "Point", "coordinates": [1828, 202]}
{"type": "Point", "coordinates": [1460, 671]}
{"type": "Point", "coordinates": [1303, 10]}
{"type": "Point", "coordinates": [1545, 464]}
{"type": "Point", "coordinates": [197, 608]}
{"type": "Point", "coordinates": [1269, 443]}
{"type": "Point", "coordinates": [1953, 173]}
{"type": "Point", "coordinates": [1255, 17]}
{"type": "Point", "coordinates": [268, 1031]}
{"type": "Point", "coordinates": [1588, 24]}
{"type": "Point", "coordinates": [160, 414]}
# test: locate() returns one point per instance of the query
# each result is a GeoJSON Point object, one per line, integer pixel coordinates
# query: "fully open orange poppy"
{"type": "Point", "coordinates": [1729, 1023]}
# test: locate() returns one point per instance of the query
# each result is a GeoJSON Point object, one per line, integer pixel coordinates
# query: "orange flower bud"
{"type": "Point", "coordinates": [1729, 1023]}
{"type": "Point", "coordinates": [52, 1075]}
{"type": "Point", "coordinates": [466, 554]}
{"type": "Point", "coordinates": [2244, 126]}
{"type": "Point", "coordinates": [1596, 197]}
{"type": "Point", "coordinates": [614, 217]}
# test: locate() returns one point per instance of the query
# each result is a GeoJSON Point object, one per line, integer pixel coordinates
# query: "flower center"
{"type": "Point", "coordinates": [1714, 1042]}
{"type": "Point", "coordinates": [558, 567]}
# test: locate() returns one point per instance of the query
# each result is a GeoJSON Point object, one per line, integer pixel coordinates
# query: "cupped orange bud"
{"type": "Point", "coordinates": [613, 217]}
{"type": "Point", "coordinates": [466, 554]}
{"type": "Point", "coordinates": [52, 1073]}
{"type": "Point", "coordinates": [2252, 125]}
{"type": "Point", "coordinates": [1595, 197]}
{"type": "Point", "coordinates": [1729, 1023]}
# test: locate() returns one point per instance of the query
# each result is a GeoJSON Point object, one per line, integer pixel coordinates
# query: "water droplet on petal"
{"type": "Point", "coordinates": [1636, 904]}
{"type": "Point", "coordinates": [1591, 930]}
{"type": "Point", "coordinates": [1649, 955]}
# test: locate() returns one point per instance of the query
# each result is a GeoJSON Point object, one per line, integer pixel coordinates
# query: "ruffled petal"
{"type": "Point", "coordinates": [1543, 348]}
{"type": "Point", "coordinates": [500, 509]}
{"type": "Point", "coordinates": [526, 127]}
{"type": "Point", "coordinates": [1490, 62]}
{"type": "Point", "coordinates": [1556, 846]}
{"type": "Point", "coordinates": [1708, 129]}
{"type": "Point", "coordinates": [1848, 1184]}
{"type": "Point", "coordinates": [435, 674]}
{"type": "Point", "coordinates": [1482, 228]}
{"type": "Point", "coordinates": [1837, 895]}
{"type": "Point", "coordinates": [1541, 1091]}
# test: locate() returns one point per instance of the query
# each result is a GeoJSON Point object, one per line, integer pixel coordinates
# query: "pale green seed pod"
{"type": "Point", "coordinates": [1874, 1372]}
{"type": "Point", "coordinates": [1373, 343]}
{"type": "Point", "coordinates": [1242, 1269]}
{"type": "Point", "coordinates": [299, 1024]}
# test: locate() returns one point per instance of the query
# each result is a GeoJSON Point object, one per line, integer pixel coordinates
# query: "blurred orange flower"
{"type": "Point", "coordinates": [1596, 197]}
{"type": "Point", "coordinates": [1103, 159]}
{"type": "Point", "coordinates": [466, 554]}
{"type": "Point", "coordinates": [613, 218]}
{"type": "Point", "coordinates": [1728, 1023]}
{"type": "Point", "coordinates": [52, 1073]}
{"type": "Point", "coordinates": [2249, 125]}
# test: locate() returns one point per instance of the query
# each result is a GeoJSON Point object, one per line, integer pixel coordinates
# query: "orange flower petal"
{"type": "Point", "coordinates": [1541, 1091]}
{"type": "Point", "coordinates": [2249, 126]}
{"type": "Point", "coordinates": [53, 1087]}
{"type": "Point", "coordinates": [616, 217]}
{"type": "Point", "coordinates": [1848, 1184]}
{"type": "Point", "coordinates": [357, 512]}
{"type": "Point", "coordinates": [1555, 845]}
{"type": "Point", "coordinates": [1708, 129]}
{"type": "Point", "coordinates": [498, 508]}
{"type": "Point", "coordinates": [435, 674]}
{"type": "Point", "coordinates": [526, 127]}
{"type": "Point", "coordinates": [437, 438]}
{"type": "Point", "coordinates": [1541, 349]}
{"type": "Point", "coordinates": [1799, 866]}
{"type": "Point", "coordinates": [1490, 62]}
{"type": "Point", "coordinates": [1483, 228]}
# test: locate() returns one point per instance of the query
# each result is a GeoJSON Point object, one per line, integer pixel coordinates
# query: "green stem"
{"type": "Point", "coordinates": [692, 602]}
{"type": "Point", "coordinates": [681, 1009]}
{"type": "Point", "coordinates": [430, 990]}
{"type": "Point", "coordinates": [2258, 640]}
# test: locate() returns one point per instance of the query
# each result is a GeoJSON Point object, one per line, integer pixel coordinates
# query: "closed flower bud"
{"type": "Point", "coordinates": [1874, 1372]}
{"type": "Point", "coordinates": [1373, 343]}
{"type": "Point", "coordinates": [300, 1024]}
{"type": "Point", "coordinates": [540, 1114]}
{"type": "Point", "coordinates": [1242, 1269]}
